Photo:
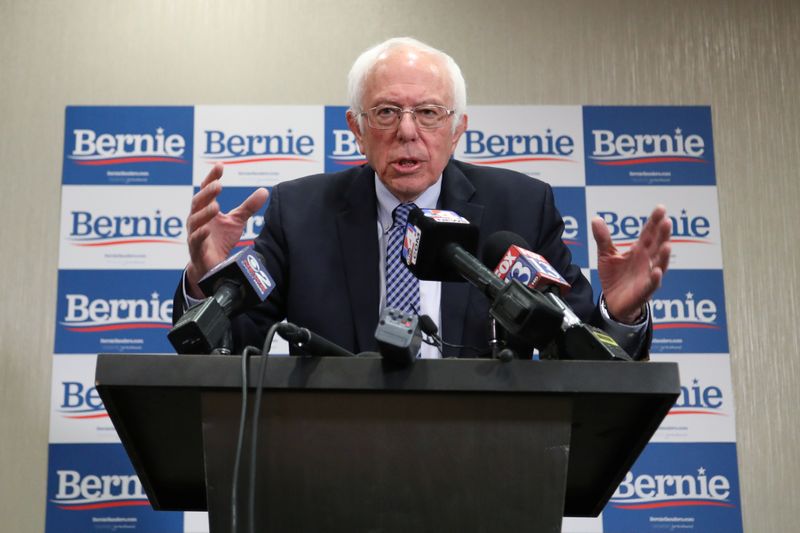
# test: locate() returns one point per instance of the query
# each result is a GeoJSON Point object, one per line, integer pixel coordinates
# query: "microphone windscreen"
{"type": "Point", "coordinates": [427, 325]}
{"type": "Point", "coordinates": [430, 234]}
{"type": "Point", "coordinates": [497, 244]}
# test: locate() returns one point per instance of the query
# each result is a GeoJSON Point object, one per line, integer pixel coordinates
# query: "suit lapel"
{"type": "Point", "coordinates": [456, 193]}
{"type": "Point", "coordinates": [358, 241]}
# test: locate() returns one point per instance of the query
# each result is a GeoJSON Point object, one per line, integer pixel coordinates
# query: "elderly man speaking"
{"type": "Point", "coordinates": [331, 241]}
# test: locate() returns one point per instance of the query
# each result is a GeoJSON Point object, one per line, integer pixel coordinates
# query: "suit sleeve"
{"type": "Point", "coordinates": [552, 247]}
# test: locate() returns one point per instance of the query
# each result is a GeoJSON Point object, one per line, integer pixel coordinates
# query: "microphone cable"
{"type": "Point", "coordinates": [428, 327]}
{"type": "Point", "coordinates": [251, 485]}
{"type": "Point", "coordinates": [240, 440]}
{"type": "Point", "coordinates": [246, 353]}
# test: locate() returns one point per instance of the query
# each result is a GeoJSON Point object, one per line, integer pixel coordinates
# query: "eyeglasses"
{"type": "Point", "coordinates": [427, 116]}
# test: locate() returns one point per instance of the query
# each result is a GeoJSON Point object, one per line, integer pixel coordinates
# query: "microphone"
{"type": "Point", "coordinates": [577, 340]}
{"type": "Point", "coordinates": [438, 246]}
{"type": "Point", "coordinates": [311, 343]}
{"type": "Point", "coordinates": [398, 335]}
{"type": "Point", "coordinates": [433, 237]}
{"type": "Point", "coordinates": [428, 327]}
{"type": "Point", "coordinates": [531, 269]}
{"type": "Point", "coordinates": [236, 284]}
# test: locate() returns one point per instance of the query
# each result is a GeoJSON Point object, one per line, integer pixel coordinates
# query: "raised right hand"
{"type": "Point", "coordinates": [213, 234]}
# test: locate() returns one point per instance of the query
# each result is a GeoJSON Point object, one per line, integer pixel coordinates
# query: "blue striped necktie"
{"type": "Point", "coordinates": [402, 287]}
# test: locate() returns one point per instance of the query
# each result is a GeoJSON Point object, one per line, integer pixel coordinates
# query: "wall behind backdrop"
{"type": "Point", "coordinates": [742, 58]}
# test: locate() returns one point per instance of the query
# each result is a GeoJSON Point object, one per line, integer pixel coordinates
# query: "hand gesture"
{"type": "Point", "coordinates": [629, 279]}
{"type": "Point", "coordinates": [213, 234]}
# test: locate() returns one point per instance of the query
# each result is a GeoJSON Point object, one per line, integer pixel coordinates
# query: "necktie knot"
{"type": "Point", "coordinates": [400, 214]}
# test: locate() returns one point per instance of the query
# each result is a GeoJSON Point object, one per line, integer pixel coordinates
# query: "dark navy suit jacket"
{"type": "Point", "coordinates": [320, 244]}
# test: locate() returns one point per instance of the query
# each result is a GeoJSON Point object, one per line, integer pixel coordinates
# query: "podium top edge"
{"type": "Point", "coordinates": [351, 374]}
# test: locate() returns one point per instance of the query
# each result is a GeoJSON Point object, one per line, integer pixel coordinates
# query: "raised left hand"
{"type": "Point", "coordinates": [630, 278]}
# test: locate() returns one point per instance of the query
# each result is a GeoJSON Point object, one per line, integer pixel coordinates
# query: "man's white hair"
{"type": "Point", "coordinates": [366, 61]}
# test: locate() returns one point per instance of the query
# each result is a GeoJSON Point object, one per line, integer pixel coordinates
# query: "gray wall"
{"type": "Point", "coordinates": [740, 57]}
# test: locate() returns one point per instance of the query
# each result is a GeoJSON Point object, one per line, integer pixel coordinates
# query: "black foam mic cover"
{"type": "Point", "coordinates": [497, 244]}
{"type": "Point", "coordinates": [426, 249]}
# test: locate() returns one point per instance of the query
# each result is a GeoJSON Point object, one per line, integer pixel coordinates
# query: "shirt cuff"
{"type": "Point", "coordinates": [640, 325]}
{"type": "Point", "coordinates": [188, 300]}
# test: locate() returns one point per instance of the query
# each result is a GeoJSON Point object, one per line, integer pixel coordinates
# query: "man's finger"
{"type": "Point", "coordinates": [660, 235]}
{"type": "Point", "coordinates": [656, 275]}
{"type": "Point", "coordinates": [202, 217]}
{"type": "Point", "coordinates": [602, 237]}
{"type": "Point", "coordinates": [662, 259]}
{"type": "Point", "coordinates": [650, 231]}
{"type": "Point", "coordinates": [251, 205]}
{"type": "Point", "coordinates": [665, 230]}
{"type": "Point", "coordinates": [204, 196]}
{"type": "Point", "coordinates": [655, 232]}
{"type": "Point", "coordinates": [196, 239]}
{"type": "Point", "coordinates": [213, 175]}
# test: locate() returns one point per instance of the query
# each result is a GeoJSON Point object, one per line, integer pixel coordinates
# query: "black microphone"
{"type": "Point", "coordinates": [428, 232]}
{"type": "Point", "coordinates": [428, 326]}
{"type": "Point", "coordinates": [236, 284]}
{"type": "Point", "coordinates": [577, 339]}
{"type": "Point", "coordinates": [311, 343]}
{"type": "Point", "coordinates": [439, 246]}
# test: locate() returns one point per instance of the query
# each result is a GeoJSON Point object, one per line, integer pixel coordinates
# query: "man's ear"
{"type": "Point", "coordinates": [459, 131]}
{"type": "Point", "coordinates": [352, 123]}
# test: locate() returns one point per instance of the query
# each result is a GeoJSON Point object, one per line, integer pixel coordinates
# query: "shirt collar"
{"type": "Point", "coordinates": [387, 201]}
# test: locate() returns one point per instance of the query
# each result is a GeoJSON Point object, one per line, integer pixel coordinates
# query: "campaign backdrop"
{"type": "Point", "coordinates": [128, 177]}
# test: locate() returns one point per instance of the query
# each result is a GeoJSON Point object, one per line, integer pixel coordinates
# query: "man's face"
{"type": "Point", "coordinates": [408, 159]}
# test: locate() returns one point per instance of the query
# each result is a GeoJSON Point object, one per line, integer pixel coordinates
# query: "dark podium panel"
{"type": "Point", "coordinates": [353, 445]}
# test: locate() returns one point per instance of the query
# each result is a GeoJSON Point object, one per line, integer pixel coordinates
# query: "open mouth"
{"type": "Point", "coordinates": [407, 165]}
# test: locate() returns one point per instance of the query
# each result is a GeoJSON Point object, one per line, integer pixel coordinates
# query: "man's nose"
{"type": "Point", "coordinates": [407, 128]}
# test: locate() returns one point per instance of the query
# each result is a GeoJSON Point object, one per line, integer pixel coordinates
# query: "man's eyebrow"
{"type": "Point", "coordinates": [389, 101]}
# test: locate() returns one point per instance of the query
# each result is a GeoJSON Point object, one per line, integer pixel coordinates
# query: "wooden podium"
{"type": "Point", "coordinates": [350, 444]}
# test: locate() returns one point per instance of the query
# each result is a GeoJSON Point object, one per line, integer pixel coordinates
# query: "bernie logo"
{"type": "Point", "coordinates": [665, 490]}
{"type": "Point", "coordinates": [570, 234]}
{"type": "Point", "coordinates": [79, 402]}
{"type": "Point", "coordinates": [90, 492]}
{"type": "Point", "coordinates": [699, 400]}
{"type": "Point", "coordinates": [617, 150]}
{"type": "Point", "coordinates": [687, 313]}
{"type": "Point", "coordinates": [345, 149]}
{"type": "Point", "coordinates": [122, 148]}
{"type": "Point", "coordinates": [89, 229]}
{"type": "Point", "coordinates": [625, 229]}
{"type": "Point", "coordinates": [235, 149]}
{"type": "Point", "coordinates": [85, 315]}
{"type": "Point", "coordinates": [251, 230]}
{"type": "Point", "coordinates": [483, 149]}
